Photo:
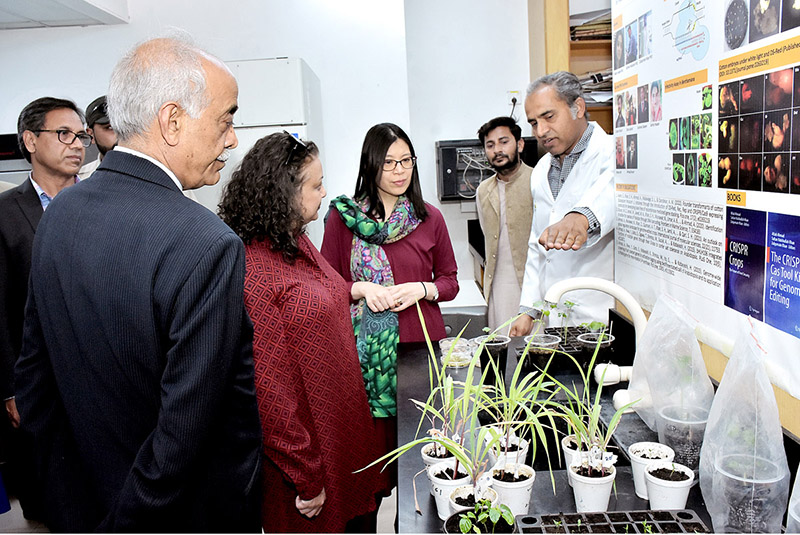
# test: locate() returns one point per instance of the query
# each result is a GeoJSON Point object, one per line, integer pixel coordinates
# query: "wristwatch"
{"type": "Point", "coordinates": [435, 292]}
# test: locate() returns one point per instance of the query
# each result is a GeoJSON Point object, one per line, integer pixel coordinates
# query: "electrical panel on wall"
{"type": "Point", "coordinates": [461, 165]}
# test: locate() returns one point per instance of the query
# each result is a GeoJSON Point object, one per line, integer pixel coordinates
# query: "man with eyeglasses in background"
{"type": "Point", "coordinates": [52, 137]}
{"type": "Point", "coordinates": [99, 126]}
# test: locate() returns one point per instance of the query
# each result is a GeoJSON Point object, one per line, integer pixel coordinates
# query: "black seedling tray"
{"type": "Point", "coordinates": [679, 521]}
{"type": "Point", "coordinates": [570, 345]}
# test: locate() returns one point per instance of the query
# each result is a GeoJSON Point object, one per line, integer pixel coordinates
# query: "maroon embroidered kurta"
{"type": "Point", "coordinates": [316, 423]}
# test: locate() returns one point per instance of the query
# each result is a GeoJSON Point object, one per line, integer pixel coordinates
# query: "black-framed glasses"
{"type": "Point", "coordinates": [298, 144]}
{"type": "Point", "coordinates": [67, 137]}
{"type": "Point", "coordinates": [405, 163]}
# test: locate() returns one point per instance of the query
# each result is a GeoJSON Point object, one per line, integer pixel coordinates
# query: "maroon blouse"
{"type": "Point", "coordinates": [424, 255]}
{"type": "Point", "coordinates": [316, 424]}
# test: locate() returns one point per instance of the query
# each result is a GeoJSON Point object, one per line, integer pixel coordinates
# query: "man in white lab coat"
{"type": "Point", "coordinates": [572, 234]}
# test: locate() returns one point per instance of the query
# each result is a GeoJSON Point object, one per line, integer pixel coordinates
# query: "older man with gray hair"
{"type": "Point", "coordinates": [136, 372]}
{"type": "Point", "coordinates": [572, 233]}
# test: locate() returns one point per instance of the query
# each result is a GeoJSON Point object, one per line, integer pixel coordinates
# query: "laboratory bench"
{"type": "Point", "coordinates": [413, 383]}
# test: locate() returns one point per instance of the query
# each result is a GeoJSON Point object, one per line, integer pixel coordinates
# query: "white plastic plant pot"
{"type": "Point", "coordinates": [515, 494]}
{"type": "Point", "coordinates": [642, 454]}
{"type": "Point", "coordinates": [515, 456]}
{"type": "Point", "coordinates": [429, 459]}
{"type": "Point", "coordinates": [465, 491]}
{"type": "Point", "coordinates": [751, 490]}
{"type": "Point", "coordinates": [683, 429]}
{"type": "Point", "coordinates": [592, 493]}
{"type": "Point", "coordinates": [442, 488]}
{"type": "Point", "coordinates": [569, 453]}
{"type": "Point", "coordinates": [665, 494]}
{"type": "Point", "coordinates": [445, 344]}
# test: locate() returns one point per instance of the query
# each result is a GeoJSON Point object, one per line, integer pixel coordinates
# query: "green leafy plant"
{"type": "Point", "coordinates": [523, 406]}
{"type": "Point", "coordinates": [647, 528]}
{"type": "Point", "coordinates": [484, 515]}
{"type": "Point", "coordinates": [594, 326]}
{"type": "Point", "coordinates": [582, 415]}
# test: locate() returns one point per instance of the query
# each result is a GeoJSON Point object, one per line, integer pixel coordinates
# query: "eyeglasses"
{"type": "Point", "coordinates": [298, 144]}
{"type": "Point", "coordinates": [405, 163]}
{"type": "Point", "coordinates": [67, 137]}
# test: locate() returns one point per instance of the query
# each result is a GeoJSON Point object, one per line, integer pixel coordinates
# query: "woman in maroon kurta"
{"type": "Point", "coordinates": [394, 251]}
{"type": "Point", "coordinates": [316, 423]}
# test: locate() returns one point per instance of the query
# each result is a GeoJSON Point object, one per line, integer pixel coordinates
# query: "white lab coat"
{"type": "Point", "coordinates": [589, 184]}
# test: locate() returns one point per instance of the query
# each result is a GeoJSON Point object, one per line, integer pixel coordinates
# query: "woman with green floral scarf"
{"type": "Point", "coordinates": [394, 251]}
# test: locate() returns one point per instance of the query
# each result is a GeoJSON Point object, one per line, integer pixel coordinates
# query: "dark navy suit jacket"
{"type": "Point", "coordinates": [136, 372]}
{"type": "Point", "coordinates": [20, 212]}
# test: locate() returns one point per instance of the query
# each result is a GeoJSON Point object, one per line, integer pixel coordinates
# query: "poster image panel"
{"type": "Point", "coordinates": [778, 88]}
{"type": "Point", "coordinates": [655, 101]}
{"type": "Point", "coordinates": [729, 135]}
{"type": "Point", "coordinates": [744, 261]}
{"type": "Point", "coordinates": [777, 130]}
{"type": "Point", "coordinates": [678, 169]}
{"type": "Point", "coordinates": [750, 172]}
{"type": "Point", "coordinates": [751, 94]}
{"type": "Point", "coordinates": [728, 172]}
{"type": "Point", "coordinates": [776, 173]}
{"type": "Point", "coordinates": [782, 304]}
{"type": "Point", "coordinates": [704, 171]}
{"type": "Point", "coordinates": [691, 169]}
{"type": "Point", "coordinates": [729, 99]}
{"type": "Point", "coordinates": [620, 151]}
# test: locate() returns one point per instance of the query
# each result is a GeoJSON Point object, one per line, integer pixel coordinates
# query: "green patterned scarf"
{"type": "Point", "coordinates": [377, 333]}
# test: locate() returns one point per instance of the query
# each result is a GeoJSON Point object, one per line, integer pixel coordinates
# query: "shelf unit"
{"type": "Point", "coordinates": [579, 57]}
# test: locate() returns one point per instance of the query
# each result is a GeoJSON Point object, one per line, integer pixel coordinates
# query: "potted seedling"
{"type": "Point", "coordinates": [454, 406]}
{"type": "Point", "coordinates": [592, 468]}
{"type": "Point", "coordinates": [523, 406]}
{"type": "Point", "coordinates": [483, 518]}
{"type": "Point", "coordinates": [668, 484]}
{"type": "Point", "coordinates": [642, 454]}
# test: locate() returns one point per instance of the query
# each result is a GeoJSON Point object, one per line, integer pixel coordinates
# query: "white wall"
{"type": "Point", "coordinates": [463, 56]}
{"type": "Point", "coordinates": [438, 69]}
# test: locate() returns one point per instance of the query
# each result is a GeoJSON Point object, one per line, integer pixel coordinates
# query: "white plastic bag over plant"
{"type": "Point", "coordinates": [744, 475]}
{"type": "Point", "coordinates": [793, 519]}
{"type": "Point", "coordinates": [669, 370]}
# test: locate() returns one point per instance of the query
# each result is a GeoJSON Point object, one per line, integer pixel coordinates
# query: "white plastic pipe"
{"type": "Point", "coordinates": [622, 295]}
{"type": "Point", "coordinates": [611, 374]}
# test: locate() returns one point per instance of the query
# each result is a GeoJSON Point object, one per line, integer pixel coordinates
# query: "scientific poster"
{"type": "Point", "coordinates": [709, 91]}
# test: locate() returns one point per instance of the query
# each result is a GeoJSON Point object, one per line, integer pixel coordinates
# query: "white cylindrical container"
{"type": "Point", "coordinates": [569, 453]}
{"type": "Point", "coordinates": [592, 493]}
{"type": "Point", "coordinates": [665, 494]}
{"type": "Point", "coordinates": [516, 495]}
{"type": "Point", "coordinates": [430, 459]}
{"type": "Point", "coordinates": [642, 454]}
{"type": "Point", "coordinates": [517, 456]}
{"type": "Point", "coordinates": [464, 491]}
{"type": "Point", "coordinates": [442, 487]}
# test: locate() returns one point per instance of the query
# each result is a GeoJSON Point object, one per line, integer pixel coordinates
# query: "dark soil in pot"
{"type": "Point", "coordinates": [466, 501]}
{"type": "Point", "coordinates": [669, 475]}
{"type": "Point", "coordinates": [584, 471]}
{"type": "Point", "coordinates": [449, 473]}
{"type": "Point", "coordinates": [508, 477]}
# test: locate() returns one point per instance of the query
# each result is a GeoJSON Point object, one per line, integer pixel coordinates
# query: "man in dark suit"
{"type": "Point", "coordinates": [136, 366]}
{"type": "Point", "coordinates": [52, 137]}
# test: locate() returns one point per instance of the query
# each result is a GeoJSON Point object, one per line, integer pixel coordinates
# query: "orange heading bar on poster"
{"type": "Point", "coordinates": [628, 188]}
{"type": "Point", "coordinates": [737, 198]}
{"type": "Point", "coordinates": [618, 23]}
{"type": "Point", "coordinates": [627, 83]}
{"type": "Point", "coordinates": [762, 59]}
{"type": "Point", "coordinates": [687, 80]}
